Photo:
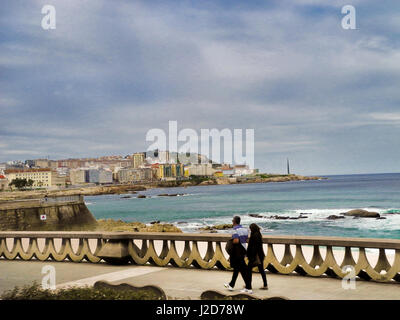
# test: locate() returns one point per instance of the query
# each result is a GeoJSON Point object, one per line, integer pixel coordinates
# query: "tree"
{"type": "Point", "coordinates": [21, 184]}
{"type": "Point", "coordinates": [30, 183]}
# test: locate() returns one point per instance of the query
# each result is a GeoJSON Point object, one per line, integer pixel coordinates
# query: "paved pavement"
{"type": "Point", "coordinates": [190, 283]}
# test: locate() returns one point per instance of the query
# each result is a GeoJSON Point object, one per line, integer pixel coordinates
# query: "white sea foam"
{"type": "Point", "coordinates": [391, 222]}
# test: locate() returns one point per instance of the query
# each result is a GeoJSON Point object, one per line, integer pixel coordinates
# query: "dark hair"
{"type": "Point", "coordinates": [236, 219]}
{"type": "Point", "coordinates": [255, 229]}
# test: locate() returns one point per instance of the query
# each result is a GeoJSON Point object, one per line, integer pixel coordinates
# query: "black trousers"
{"type": "Point", "coordinates": [250, 274]}
{"type": "Point", "coordinates": [240, 267]}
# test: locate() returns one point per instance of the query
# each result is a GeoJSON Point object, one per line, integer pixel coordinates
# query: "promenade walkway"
{"type": "Point", "coordinates": [181, 283]}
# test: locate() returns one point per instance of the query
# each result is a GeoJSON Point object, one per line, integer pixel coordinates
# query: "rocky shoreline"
{"type": "Point", "coordinates": [355, 213]}
{"type": "Point", "coordinates": [156, 226]}
{"type": "Point", "coordinates": [119, 225]}
{"type": "Point", "coordinates": [132, 188]}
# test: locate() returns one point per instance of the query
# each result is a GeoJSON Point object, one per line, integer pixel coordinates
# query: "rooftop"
{"type": "Point", "coordinates": [8, 171]}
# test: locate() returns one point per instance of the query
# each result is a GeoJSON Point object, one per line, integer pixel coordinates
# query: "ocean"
{"type": "Point", "coordinates": [209, 205]}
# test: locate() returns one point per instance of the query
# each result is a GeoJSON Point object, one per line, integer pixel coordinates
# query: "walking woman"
{"type": "Point", "coordinates": [255, 254]}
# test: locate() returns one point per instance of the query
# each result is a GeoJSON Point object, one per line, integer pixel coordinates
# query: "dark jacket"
{"type": "Point", "coordinates": [236, 253]}
{"type": "Point", "coordinates": [255, 248]}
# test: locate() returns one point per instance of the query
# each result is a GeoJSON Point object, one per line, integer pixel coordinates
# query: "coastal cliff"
{"type": "Point", "coordinates": [37, 215]}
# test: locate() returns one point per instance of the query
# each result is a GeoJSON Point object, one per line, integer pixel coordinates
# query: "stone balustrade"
{"type": "Point", "coordinates": [312, 256]}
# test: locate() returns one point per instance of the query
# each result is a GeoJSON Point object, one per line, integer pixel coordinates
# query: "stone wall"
{"type": "Point", "coordinates": [26, 216]}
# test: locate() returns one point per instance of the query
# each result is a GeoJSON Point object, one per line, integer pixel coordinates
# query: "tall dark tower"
{"type": "Point", "coordinates": [288, 168]}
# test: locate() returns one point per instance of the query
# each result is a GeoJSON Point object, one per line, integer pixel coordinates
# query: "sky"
{"type": "Point", "coordinates": [324, 97]}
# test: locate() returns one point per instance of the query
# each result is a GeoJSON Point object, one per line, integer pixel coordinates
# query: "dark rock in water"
{"type": "Point", "coordinates": [281, 217]}
{"type": "Point", "coordinates": [217, 227]}
{"type": "Point", "coordinates": [182, 222]}
{"type": "Point", "coordinates": [276, 217]}
{"type": "Point", "coordinates": [171, 194]}
{"type": "Point", "coordinates": [141, 196]}
{"type": "Point", "coordinates": [334, 217]}
{"type": "Point", "coordinates": [126, 197]}
{"type": "Point", "coordinates": [380, 218]}
{"type": "Point", "coordinates": [225, 226]}
{"type": "Point", "coordinates": [299, 217]}
{"type": "Point", "coordinates": [362, 213]}
{"type": "Point", "coordinates": [154, 222]}
{"type": "Point", "coordinates": [255, 215]}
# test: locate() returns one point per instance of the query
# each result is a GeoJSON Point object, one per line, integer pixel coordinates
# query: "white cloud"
{"type": "Point", "coordinates": [386, 116]}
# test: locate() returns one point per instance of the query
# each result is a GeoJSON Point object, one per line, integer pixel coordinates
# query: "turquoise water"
{"type": "Point", "coordinates": [209, 205]}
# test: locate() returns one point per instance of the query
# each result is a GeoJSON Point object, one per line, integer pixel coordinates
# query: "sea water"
{"type": "Point", "coordinates": [317, 199]}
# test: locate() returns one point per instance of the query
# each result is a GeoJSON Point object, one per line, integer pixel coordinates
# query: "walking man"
{"type": "Point", "coordinates": [237, 254]}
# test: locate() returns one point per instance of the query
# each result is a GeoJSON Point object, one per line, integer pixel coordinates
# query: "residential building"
{"type": "Point", "coordinates": [178, 170]}
{"type": "Point", "coordinates": [43, 177]}
{"type": "Point", "coordinates": [3, 182]}
{"type": "Point", "coordinates": [169, 171]}
{"type": "Point", "coordinates": [42, 163]}
{"type": "Point", "coordinates": [146, 174]}
{"type": "Point", "coordinates": [105, 176]}
{"type": "Point", "coordinates": [138, 159]}
{"type": "Point", "coordinates": [130, 175]}
{"type": "Point", "coordinates": [77, 176]}
{"type": "Point", "coordinates": [92, 176]}
{"type": "Point", "coordinates": [200, 169]}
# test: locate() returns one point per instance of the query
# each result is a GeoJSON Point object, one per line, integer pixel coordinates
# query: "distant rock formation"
{"type": "Point", "coordinates": [276, 217]}
{"type": "Point", "coordinates": [217, 227]}
{"type": "Point", "coordinates": [119, 225]}
{"type": "Point", "coordinates": [334, 217]}
{"type": "Point", "coordinates": [361, 213]}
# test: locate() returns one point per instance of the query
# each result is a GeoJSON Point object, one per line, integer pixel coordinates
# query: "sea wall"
{"type": "Point", "coordinates": [55, 214]}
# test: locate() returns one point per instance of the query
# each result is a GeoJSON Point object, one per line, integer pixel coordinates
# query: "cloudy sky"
{"type": "Point", "coordinates": [325, 97]}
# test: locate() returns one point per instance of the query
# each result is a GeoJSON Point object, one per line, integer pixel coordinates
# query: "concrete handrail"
{"type": "Point", "coordinates": [120, 247]}
{"type": "Point", "coordinates": [206, 237]}
{"type": "Point", "coordinates": [40, 202]}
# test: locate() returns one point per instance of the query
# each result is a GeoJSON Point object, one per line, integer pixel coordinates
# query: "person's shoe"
{"type": "Point", "coordinates": [264, 288]}
{"type": "Point", "coordinates": [249, 291]}
{"type": "Point", "coordinates": [228, 286]}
